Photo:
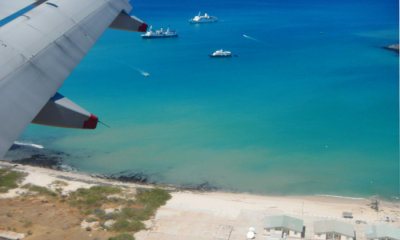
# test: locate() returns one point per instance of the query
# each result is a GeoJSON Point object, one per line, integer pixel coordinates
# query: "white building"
{"type": "Point", "coordinates": [333, 230]}
{"type": "Point", "coordinates": [382, 232]}
{"type": "Point", "coordinates": [283, 227]}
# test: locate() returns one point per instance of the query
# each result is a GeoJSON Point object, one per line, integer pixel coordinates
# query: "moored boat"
{"type": "Point", "coordinates": [203, 19]}
{"type": "Point", "coordinates": [221, 53]}
{"type": "Point", "coordinates": [160, 33]}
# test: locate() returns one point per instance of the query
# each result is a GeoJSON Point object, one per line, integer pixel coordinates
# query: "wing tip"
{"type": "Point", "coordinates": [91, 123]}
{"type": "Point", "coordinates": [143, 27]}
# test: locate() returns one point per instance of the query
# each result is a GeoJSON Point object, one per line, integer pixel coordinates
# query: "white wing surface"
{"type": "Point", "coordinates": [8, 7]}
{"type": "Point", "coordinates": [38, 51]}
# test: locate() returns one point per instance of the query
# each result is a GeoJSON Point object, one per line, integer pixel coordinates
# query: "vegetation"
{"type": "Point", "coordinates": [60, 183]}
{"type": "Point", "coordinates": [40, 190]}
{"type": "Point", "coordinates": [10, 179]}
{"type": "Point", "coordinates": [130, 217]}
{"type": "Point", "coordinates": [27, 223]}
{"type": "Point", "coordinates": [153, 198]}
{"type": "Point", "coordinates": [92, 198]}
{"type": "Point", "coordinates": [123, 236]}
{"type": "Point", "coordinates": [125, 225]}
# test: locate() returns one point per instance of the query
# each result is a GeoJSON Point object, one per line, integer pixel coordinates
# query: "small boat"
{"type": "Point", "coordinates": [203, 19]}
{"type": "Point", "coordinates": [221, 53]}
{"type": "Point", "coordinates": [160, 33]}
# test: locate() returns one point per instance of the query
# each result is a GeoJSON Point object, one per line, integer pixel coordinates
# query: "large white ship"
{"type": "Point", "coordinates": [160, 33]}
{"type": "Point", "coordinates": [203, 19]}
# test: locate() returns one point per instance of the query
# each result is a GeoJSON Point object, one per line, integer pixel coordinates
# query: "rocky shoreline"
{"type": "Point", "coordinates": [50, 159]}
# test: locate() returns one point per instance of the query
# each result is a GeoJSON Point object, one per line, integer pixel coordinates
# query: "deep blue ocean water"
{"type": "Point", "coordinates": [309, 106]}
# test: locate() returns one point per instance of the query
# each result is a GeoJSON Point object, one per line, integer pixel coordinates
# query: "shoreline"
{"type": "Point", "coordinates": [71, 174]}
{"type": "Point", "coordinates": [189, 214]}
{"type": "Point", "coordinates": [30, 154]}
{"type": "Point", "coordinates": [98, 179]}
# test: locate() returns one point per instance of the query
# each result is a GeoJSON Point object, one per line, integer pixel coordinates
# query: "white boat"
{"type": "Point", "coordinates": [221, 53]}
{"type": "Point", "coordinates": [203, 19]}
{"type": "Point", "coordinates": [159, 33]}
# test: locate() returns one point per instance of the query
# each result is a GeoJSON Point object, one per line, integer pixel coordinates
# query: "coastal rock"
{"type": "Point", "coordinates": [130, 177]}
{"type": "Point", "coordinates": [37, 156]}
{"type": "Point", "coordinates": [41, 160]}
{"type": "Point", "coordinates": [92, 225]}
{"type": "Point", "coordinates": [204, 187]}
{"type": "Point", "coordinates": [109, 223]}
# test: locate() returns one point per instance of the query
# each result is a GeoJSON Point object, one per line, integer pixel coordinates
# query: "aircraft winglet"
{"type": "Point", "coordinates": [59, 111]}
{"type": "Point", "coordinates": [129, 23]}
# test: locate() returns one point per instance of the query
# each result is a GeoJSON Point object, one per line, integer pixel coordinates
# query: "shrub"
{"type": "Point", "coordinates": [40, 190]}
{"type": "Point", "coordinates": [153, 198]}
{"type": "Point", "coordinates": [60, 183]}
{"type": "Point", "coordinates": [99, 212]}
{"type": "Point", "coordinates": [123, 225]}
{"type": "Point", "coordinates": [27, 223]}
{"type": "Point", "coordinates": [10, 179]}
{"type": "Point", "coordinates": [92, 198]}
{"type": "Point", "coordinates": [137, 213]}
{"type": "Point", "coordinates": [123, 236]}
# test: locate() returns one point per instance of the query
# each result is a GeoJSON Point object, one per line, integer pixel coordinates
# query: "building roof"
{"type": "Point", "coordinates": [328, 226]}
{"type": "Point", "coordinates": [283, 222]}
{"type": "Point", "coordinates": [347, 214]}
{"type": "Point", "coordinates": [382, 231]}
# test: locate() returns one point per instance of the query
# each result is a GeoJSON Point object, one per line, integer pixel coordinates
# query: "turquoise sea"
{"type": "Point", "coordinates": [309, 106]}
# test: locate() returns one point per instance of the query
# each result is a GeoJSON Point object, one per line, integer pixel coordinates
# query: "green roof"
{"type": "Point", "coordinates": [283, 221]}
{"type": "Point", "coordinates": [382, 231]}
{"type": "Point", "coordinates": [333, 226]}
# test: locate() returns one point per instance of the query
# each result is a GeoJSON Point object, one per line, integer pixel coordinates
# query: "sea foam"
{"type": "Point", "coordinates": [28, 144]}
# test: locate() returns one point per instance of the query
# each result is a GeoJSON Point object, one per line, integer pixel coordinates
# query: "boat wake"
{"type": "Point", "coordinates": [146, 74]}
{"type": "Point", "coordinates": [28, 144]}
{"type": "Point", "coordinates": [251, 38]}
{"type": "Point", "coordinates": [143, 73]}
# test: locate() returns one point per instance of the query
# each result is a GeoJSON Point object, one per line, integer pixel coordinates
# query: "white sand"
{"type": "Point", "coordinates": [214, 215]}
{"type": "Point", "coordinates": [218, 215]}
{"type": "Point", "coordinates": [46, 177]}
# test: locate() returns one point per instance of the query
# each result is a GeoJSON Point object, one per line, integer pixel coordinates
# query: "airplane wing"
{"type": "Point", "coordinates": [39, 49]}
{"type": "Point", "coordinates": [8, 7]}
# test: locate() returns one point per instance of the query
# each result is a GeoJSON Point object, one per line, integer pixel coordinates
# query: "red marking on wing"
{"type": "Point", "coordinates": [143, 27]}
{"type": "Point", "coordinates": [91, 123]}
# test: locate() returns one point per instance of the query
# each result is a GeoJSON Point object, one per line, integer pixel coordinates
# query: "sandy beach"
{"type": "Point", "coordinates": [221, 215]}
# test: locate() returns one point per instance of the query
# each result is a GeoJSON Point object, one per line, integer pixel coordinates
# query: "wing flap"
{"type": "Point", "coordinates": [59, 111]}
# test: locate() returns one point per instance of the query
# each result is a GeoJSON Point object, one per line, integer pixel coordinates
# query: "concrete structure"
{"type": "Point", "coordinates": [7, 235]}
{"type": "Point", "coordinates": [382, 232]}
{"type": "Point", "coordinates": [333, 230]}
{"type": "Point", "coordinates": [347, 215]}
{"type": "Point", "coordinates": [283, 227]}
